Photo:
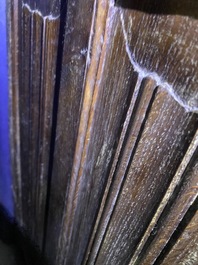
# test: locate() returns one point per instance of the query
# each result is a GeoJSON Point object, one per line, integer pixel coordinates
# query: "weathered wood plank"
{"type": "Point", "coordinates": [170, 196]}
{"type": "Point", "coordinates": [145, 45]}
{"type": "Point", "coordinates": [139, 106]}
{"type": "Point", "coordinates": [185, 249]}
{"type": "Point", "coordinates": [101, 118]}
{"type": "Point", "coordinates": [73, 62]}
{"type": "Point", "coordinates": [37, 51]}
{"type": "Point", "coordinates": [47, 8]}
{"type": "Point", "coordinates": [174, 212]}
{"type": "Point", "coordinates": [156, 159]}
{"type": "Point", "coordinates": [166, 45]}
{"type": "Point", "coordinates": [105, 162]}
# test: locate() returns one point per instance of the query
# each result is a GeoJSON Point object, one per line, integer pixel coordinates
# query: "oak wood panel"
{"type": "Point", "coordinates": [101, 118]}
{"type": "Point", "coordinates": [162, 216]}
{"type": "Point", "coordinates": [185, 248]}
{"type": "Point", "coordinates": [73, 68]}
{"type": "Point", "coordinates": [166, 45]}
{"type": "Point", "coordinates": [146, 179]}
{"type": "Point", "coordinates": [142, 48]}
{"type": "Point", "coordinates": [103, 127]}
{"type": "Point", "coordinates": [37, 51]}
{"type": "Point", "coordinates": [168, 222]}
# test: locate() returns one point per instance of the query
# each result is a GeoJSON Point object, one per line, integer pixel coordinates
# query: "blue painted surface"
{"type": "Point", "coordinates": [5, 165]}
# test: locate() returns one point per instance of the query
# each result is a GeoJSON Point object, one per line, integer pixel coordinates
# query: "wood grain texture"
{"type": "Point", "coordinates": [185, 248]}
{"type": "Point", "coordinates": [165, 45]}
{"type": "Point", "coordinates": [14, 16]}
{"type": "Point", "coordinates": [102, 112]}
{"type": "Point", "coordinates": [169, 221]}
{"type": "Point", "coordinates": [162, 218]}
{"type": "Point", "coordinates": [47, 8]}
{"type": "Point", "coordinates": [73, 68]}
{"type": "Point", "coordinates": [104, 109]}
{"type": "Point", "coordinates": [37, 53]}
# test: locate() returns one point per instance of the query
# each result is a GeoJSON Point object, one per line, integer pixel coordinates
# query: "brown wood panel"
{"type": "Point", "coordinates": [142, 190]}
{"type": "Point", "coordinates": [139, 30]}
{"type": "Point", "coordinates": [48, 7]}
{"type": "Point", "coordinates": [160, 45]}
{"type": "Point", "coordinates": [104, 128]}
{"type": "Point", "coordinates": [37, 53]}
{"type": "Point", "coordinates": [162, 219]}
{"type": "Point", "coordinates": [101, 118]}
{"type": "Point", "coordinates": [185, 248]}
{"type": "Point", "coordinates": [168, 222]}
{"type": "Point", "coordinates": [69, 100]}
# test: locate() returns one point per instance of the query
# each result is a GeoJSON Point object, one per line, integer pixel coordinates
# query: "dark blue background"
{"type": "Point", "coordinates": [5, 165]}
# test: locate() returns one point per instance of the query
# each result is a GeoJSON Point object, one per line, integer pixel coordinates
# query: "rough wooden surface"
{"type": "Point", "coordinates": [37, 54]}
{"type": "Point", "coordinates": [73, 67]}
{"type": "Point", "coordinates": [185, 248]}
{"type": "Point", "coordinates": [104, 126]}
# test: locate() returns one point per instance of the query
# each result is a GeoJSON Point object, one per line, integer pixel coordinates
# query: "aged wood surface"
{"type": "Point", "coordinates": [176, 191]}
{"type": "Point", "coordinates": [104, 129]}
{"type": "Point", "coordinates": [73, 67]}
{"type": "Point", "coordinates": [37, 52]}
{"type": "Point", "coordinates": [14, 16]}
{"type": "Point", "coordinates": [185, 248]}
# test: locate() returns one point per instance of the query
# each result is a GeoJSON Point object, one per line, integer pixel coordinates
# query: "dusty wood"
{"type": "Point", "coordinates": [115, 245]}
{"type": "Point", "coordinates": [100, 127]}
{"type": "Point", "coordinates": [185, 248]}
{"type": "Point", "coordinates": [120, 131]}
{"type": "Point", "coordinates": [166, 45]}
{"type": "Point", "coordinates": [73, 68]}
{"type": "Point", "coordinates": [146, 180]}
{"type": "Point", "coordinates": [47, 8]}
{"type": "Point", "coordinates": [168, 222]}
{"type": "Point", "coordinates": [37, 52]}
{"type": "Point", "coordinates": [179, 180]}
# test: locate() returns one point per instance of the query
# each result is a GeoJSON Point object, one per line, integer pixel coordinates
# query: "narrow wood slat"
{"type": "Point", "coordinates": [137, 113]}
{"type": "Point", "coordinates": [157, 157]}
{"type": "Point", "coordinates": [34, 109]}
{"type": "Point", "coordinates": [48, 72]}
{"type": "Point", "coordinates": [24, 107]}
{"type": "Point", "coordinates": [185, 249]}
{"type": "Point", "coordinates": [170, 221]}
{"type": "Point", "coordinates": [92, 170]}
{"type": "Point", "coordinates": [38, 54]}
{"type": "Point", "coordinates": [72, 62]}
{"type": "Point", "coordinates": [153, 226]}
